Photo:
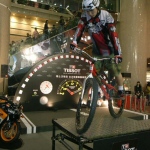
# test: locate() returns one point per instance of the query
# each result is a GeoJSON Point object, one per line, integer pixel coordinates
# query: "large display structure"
{"type": "Point", "coordinates": [54, 82]}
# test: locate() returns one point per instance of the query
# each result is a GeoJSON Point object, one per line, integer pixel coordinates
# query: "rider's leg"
{"type": "Point", "coordinates": [119, 81]}
{"type": "Point", "coordinates": [116, 71]}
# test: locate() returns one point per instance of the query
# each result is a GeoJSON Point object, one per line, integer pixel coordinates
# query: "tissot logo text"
{"type": "Point", "coordinates": [71, 69]}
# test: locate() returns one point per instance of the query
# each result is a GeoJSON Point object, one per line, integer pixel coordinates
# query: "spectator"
{"type": "Point", "coordinates": [35, 36]}
{"type": "Point", "coordinates": [138, 90]}
{"type": "Point", "coordinates": [28, 35]}
{"type": "Point", "coordinates": [46, 33]}
{"type": "Point", "coordinates": [148, 93]}
{"type": "Point", "coordinates": [61, 24]}
{"type": "Point", "coordinates": [13, 52]}
{"type": "Point", "coordinates": [138, 94]}
{"type": "Point", "coordinates": [53, 30]}
{"type": "Point", "coordinates": [13, 48]}
{"type": "Point", "coordinates": [54, 27]}
{"type": "Point", "coordinates": [28, 39]}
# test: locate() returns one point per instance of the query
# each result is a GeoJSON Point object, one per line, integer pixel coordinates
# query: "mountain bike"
{"type": "Point", "coordinates": [97, 86]}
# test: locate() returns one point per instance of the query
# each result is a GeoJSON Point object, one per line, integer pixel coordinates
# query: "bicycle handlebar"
{"type": "Point", "coordinates": [79, 51]}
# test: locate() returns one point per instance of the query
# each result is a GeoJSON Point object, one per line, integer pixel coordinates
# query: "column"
{"type": "Point", "coordinates": [4, 40]}
{"type": "Point", "coordinates": [133, 34]}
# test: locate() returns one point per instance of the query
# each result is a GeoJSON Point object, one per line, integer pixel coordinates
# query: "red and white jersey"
{"type": "Point", "coordinates": [102, 30]}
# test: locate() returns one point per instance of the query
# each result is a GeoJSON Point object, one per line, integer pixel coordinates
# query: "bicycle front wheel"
{"type": "Point", "coordinates": [86, 106]}
{"type": "Point", "coordinates": [116, 103]}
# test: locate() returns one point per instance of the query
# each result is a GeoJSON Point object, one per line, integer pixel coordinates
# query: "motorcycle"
{"type": "Point", "coordinates": [10, 113]}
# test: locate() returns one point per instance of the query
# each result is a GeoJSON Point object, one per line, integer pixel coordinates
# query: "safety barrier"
{"type": "Point", "coordinates": [133, 103]}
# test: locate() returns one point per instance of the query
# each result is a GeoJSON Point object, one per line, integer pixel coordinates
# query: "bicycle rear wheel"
{"type": "Point", "coordinates": [86, 106]}
{"type": "Point", "coordinates": [116, 103]}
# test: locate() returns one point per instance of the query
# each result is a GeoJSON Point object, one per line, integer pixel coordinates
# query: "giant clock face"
{"type": "Point", "coordinates": [58, 78]}
{"type": "Point", "coordinates": [46, 87]}
{"type": "Point", "coordinates": [71, 86]}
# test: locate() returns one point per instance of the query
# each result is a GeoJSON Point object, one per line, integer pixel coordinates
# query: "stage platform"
{"type": "Point", "coordinates": [41, 121]}
{"type": "Point", "coordinates": [105, 133]}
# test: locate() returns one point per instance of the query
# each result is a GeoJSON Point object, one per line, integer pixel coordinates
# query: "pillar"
{"type": "Point", "coordinates": [133, 34]}
{"type": "Point", "coordinates": [4, 40]}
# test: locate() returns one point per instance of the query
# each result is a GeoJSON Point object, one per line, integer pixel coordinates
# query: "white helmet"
{"type": "Point", "coordinates": [88, 5]}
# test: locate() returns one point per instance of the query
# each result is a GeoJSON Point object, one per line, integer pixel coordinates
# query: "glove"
{"type": "Point", "coordinates": [73, 45]}
{"type": "Point", "coordinates": [118, 59]}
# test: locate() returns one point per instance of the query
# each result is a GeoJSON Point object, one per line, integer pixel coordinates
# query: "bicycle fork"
{"type": "Point", "coordinates": [84, 83]}
{"type": "Point", "coordinates": [101, 83]}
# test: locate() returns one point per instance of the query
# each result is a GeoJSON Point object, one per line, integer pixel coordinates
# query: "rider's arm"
{"type": "Point", "coordinates": [113, 34]}
{"type": "Point", "coordinates": [114, 38]}
{"type": "Point", "coordinates": [79, 30]}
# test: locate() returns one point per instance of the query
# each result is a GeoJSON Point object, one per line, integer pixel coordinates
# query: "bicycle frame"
{"type": "Point", "coordinates": [101, 82]}
{"type": "Point", "coordinates": [93, 74]}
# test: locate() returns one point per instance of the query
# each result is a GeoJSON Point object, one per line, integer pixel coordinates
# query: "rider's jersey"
{"type": "Point", "coordinates": [103, 33]}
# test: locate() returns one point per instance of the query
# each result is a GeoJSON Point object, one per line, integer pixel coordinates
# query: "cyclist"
{"type": "Point", "coordinates": [101, 27]}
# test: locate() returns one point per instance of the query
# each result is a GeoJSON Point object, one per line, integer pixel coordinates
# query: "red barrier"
{"type": "Point", "coordinates": [128, 102]}
{"type": "Point", "coordinates": [132, 103]}
{"type": "Point", "coordinates": [143, 103]}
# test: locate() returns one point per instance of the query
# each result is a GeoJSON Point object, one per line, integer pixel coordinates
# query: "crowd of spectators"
{"type": "Point", "coordinates": [48, 32]}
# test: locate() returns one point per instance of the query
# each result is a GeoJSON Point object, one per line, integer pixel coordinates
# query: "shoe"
{"type": "Point", "coordinates": [121, 93]}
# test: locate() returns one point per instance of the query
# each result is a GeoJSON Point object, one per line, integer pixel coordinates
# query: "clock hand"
{"type": "Point", "coordinates": [77, 91]}
{"type": "Point", "coordinates": [47, 86]}
{"type": "Point", "coordinates": [71, 93]}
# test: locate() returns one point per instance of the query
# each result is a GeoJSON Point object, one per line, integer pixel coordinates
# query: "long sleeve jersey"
{"type": "Point", "coordinates": [103, 33]}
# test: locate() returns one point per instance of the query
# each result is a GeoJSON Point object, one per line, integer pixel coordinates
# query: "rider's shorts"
{"type": "Point", "coordinates": [113, 68]}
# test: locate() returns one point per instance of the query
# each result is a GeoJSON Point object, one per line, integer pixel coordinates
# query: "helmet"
{"type": "Point", "coordinates": [88, 5]}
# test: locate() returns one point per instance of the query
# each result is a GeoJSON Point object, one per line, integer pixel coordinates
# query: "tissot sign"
{"type": "Point", "coordinates": [53, 82]}
{"type": "Point", "coordinates": [72, 69]}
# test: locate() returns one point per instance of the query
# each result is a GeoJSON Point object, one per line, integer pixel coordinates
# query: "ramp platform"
{"type": "Point", "coordinates": [40, 121]}
{"type": "Point", "coordinates": [105, 133]}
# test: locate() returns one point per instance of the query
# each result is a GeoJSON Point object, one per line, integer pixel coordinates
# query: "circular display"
{"type": "Point", "coordinates": [43, 100]}
{"type": "Point", "coordinates": [46, 87]}
{"type": "Point", "coordinates": [70, 86]}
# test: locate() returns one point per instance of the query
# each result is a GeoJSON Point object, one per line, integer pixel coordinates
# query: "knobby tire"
{"type": "Point", "coordinates": [90, 83]}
